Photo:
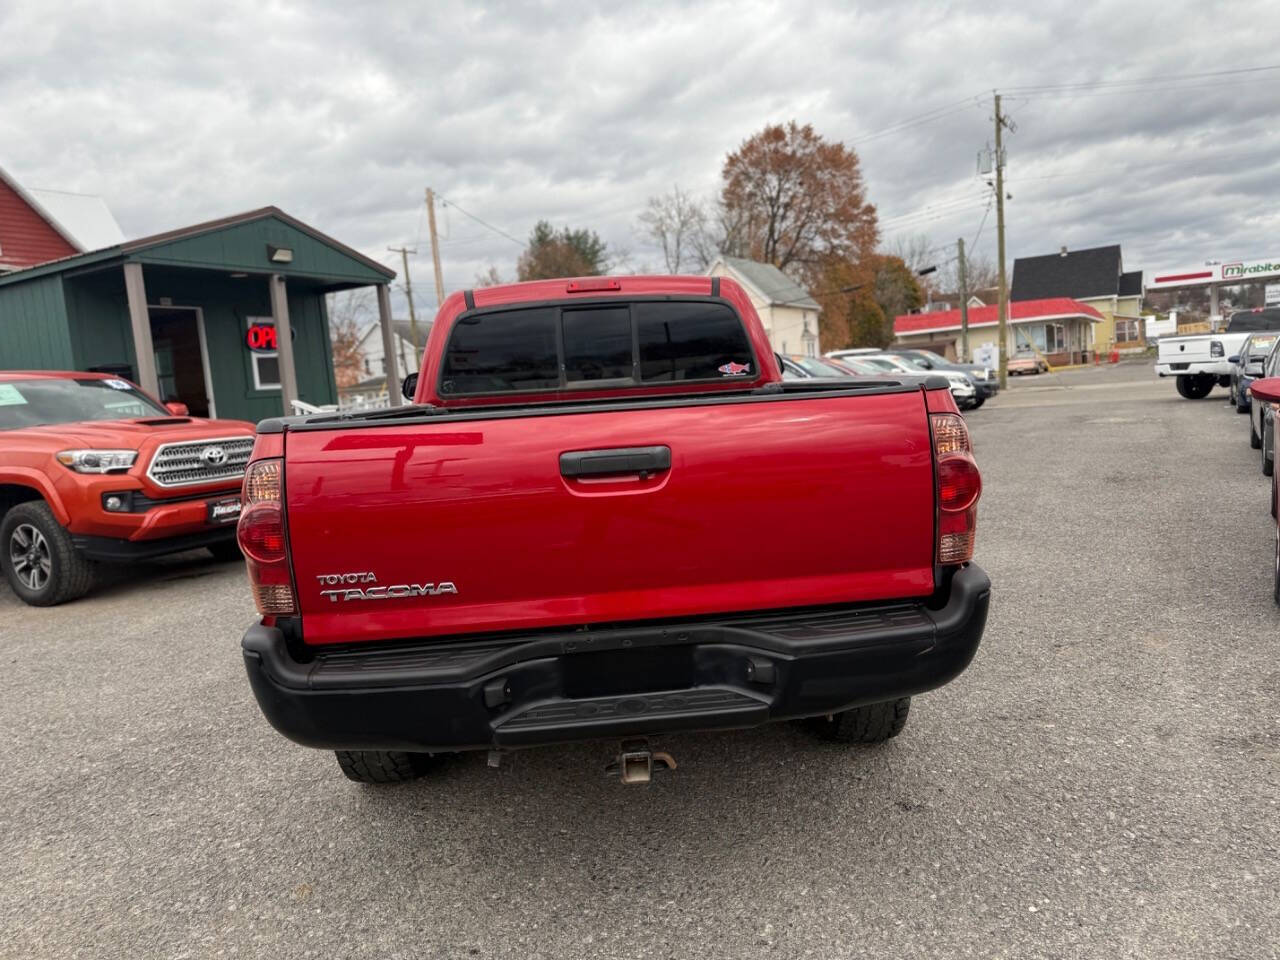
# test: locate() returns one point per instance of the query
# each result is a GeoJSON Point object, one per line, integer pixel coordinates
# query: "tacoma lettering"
{"type": "Point", "coordinates": [391, 592]}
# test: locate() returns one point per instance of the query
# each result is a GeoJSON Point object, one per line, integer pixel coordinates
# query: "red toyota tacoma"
{"type": "Point", "coordinates": [606, 514]}
{"type": "Point", "coordinates": [92, 469]}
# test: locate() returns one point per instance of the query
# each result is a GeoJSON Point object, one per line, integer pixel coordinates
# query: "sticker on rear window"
{"type": "Point", "coordinates": [9, 395]}
{"type": "Point", "coordinates": [732, 369]}
{"type": "Point", "coordinates": [118, 384]}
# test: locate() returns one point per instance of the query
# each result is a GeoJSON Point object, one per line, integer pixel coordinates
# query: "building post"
{"type": "Point", "coordinates": [140, 319]}
{"type": "Point", "coordinates": [964, 303]}
{"type": "Point", "coordinates": [1213, 307]}
{"type": "Point", "coordinates": [391, 366]}
{"type": "Point", "coordinates": [284, 342]}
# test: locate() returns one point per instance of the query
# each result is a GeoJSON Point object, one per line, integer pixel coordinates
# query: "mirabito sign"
{"type": "Point", "coordinates": [1235, 271]}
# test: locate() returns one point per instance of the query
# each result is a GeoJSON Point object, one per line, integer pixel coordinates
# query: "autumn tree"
{"type": "Point", "coordinates": [677, 222]}
{"type": "Point", "coordinates": [564, 253]}
{"type": "Point", "coordinates": [850, 316]}
{"type": "Point", "coordinates": [349, 313]}
{"type": "Point", "coordinates": [795, 200]}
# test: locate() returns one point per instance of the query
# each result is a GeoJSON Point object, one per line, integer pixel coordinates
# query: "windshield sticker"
{"type": "Point", "coordinates": [9, 395]}
{"type": "Point", "coordinates": [732, 369]}
{"type": "Point", "coordinates": [118, 384]}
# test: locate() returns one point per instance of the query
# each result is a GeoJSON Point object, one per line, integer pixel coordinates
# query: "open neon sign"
{"type": "Point", "coordinates": [261, 336]}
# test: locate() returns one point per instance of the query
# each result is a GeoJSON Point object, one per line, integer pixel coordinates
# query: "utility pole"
{"type": "Point", "coordinates": [435, 245]}
{"type": "Point", "coordinates": [1004, 289]}
{"type": "Point", "coordinates": [408, 292]}
{"type": "Point", "coordinates": [964, 303]}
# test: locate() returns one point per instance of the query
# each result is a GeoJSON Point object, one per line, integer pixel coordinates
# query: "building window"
{"type": "Point", "coordinates": [265, 363]}
{"type": "Point", "coordinates": [1055, 338]}
{"type": "Point", "coordinates": [1126, 331]}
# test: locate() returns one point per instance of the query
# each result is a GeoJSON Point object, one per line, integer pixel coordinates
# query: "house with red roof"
{"type": "Point", "coordinates": [1058, 327]}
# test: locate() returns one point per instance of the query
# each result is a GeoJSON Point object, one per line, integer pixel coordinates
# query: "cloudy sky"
{"type": "Point", "coordinates": [343, 113]}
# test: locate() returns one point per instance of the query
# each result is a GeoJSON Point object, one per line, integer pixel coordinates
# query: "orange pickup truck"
{"type": "Point", "coordinates": [93, 469]}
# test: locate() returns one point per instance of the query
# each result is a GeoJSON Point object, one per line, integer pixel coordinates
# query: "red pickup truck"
{"type": "Point", "coordinates": [92, 469]}
{"type": "Point", "coordinates": [606, 514]}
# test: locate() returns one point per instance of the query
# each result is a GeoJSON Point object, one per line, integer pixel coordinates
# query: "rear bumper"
{"type": "Point", "coordinates": [616, 682]}
{"type": "Point", "coordinates": [1216, 368]}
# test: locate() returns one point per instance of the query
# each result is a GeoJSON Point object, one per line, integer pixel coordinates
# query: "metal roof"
{"type": "Point", "coordinates": [84, 216]}
{"type": "Point", "coordinates": [770, 282]}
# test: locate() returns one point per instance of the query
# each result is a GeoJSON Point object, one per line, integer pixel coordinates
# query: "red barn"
{"type": "Point", "coordinates": [37, 226]}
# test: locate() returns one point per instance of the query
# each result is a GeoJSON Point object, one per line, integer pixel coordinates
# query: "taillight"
{"type": "Point", "coordinates": [959, 486]}
{"type": "Point", "coordinates": [263, 538]}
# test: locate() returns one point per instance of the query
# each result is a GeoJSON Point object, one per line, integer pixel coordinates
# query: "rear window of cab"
{"type": "Point", "coordinates": [598, 345]}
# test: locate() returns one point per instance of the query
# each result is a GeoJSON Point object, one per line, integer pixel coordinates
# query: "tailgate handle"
{"type": "Point", "coordinates": [621, 460]}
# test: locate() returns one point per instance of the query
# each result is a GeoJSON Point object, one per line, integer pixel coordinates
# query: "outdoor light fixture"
{"type": "Point", "coordinates": [238, 276]}
{"type": "Point", "coordinates": [279, 254]}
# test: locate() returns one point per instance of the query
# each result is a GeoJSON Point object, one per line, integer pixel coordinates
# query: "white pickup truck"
{"type": "Point", "coordinates": [1199, 362]}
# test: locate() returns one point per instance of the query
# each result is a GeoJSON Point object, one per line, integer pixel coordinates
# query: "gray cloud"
{"type": "Point", "coordinates": [344, 113]}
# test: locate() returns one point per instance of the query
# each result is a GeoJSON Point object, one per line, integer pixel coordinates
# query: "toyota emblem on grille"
{"type": "Point", "coordinates": [213, 456]}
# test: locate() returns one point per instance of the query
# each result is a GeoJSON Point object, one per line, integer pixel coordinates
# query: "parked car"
{"type": "Point", "coordinates": [547, 546]}
{"type": "Point", "coordinates": [1200, 362]}
{"type": "Point", "coordinates": [1266, 393]}
{"type": "Point", "coordinates": [962, 387]}
{"type": "Point", "coordinates": [1262, 416]}
{"type": "Point", "coordinates": [93, 469]}
{"type": "Point", "coordinates": [796, 367]}
{"type": "Point", "coordinates": [850, 352]}
{"type": "Point", "coordinates": [985, 379]}
{"type": "Point", "coordinates": [1025, 363]}
{"type": "Point", "coordinates": [1247, 364]}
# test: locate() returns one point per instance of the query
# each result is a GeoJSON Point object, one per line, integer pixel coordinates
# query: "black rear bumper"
{"type": "Point", "coordinates": [616, 682]}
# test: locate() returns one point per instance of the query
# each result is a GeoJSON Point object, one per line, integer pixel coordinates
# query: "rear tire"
{"type": "Point", "coordinates": [874, 723]}
{"type": "Point", "coordinates": [40, 562]}
{"type": "Point", "coordinates": [979, 402]}
{"type": "Point", "coordinates": [1268, 455]}
{"type": "Point", "coordinates": [1255, 441]}
{"type": "Point", "coordinates": [382, 766]}
{"type": "Point", "coordinates": [1196, 386]}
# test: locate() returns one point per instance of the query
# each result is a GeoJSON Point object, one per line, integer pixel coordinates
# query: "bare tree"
{"type": "Point", "coordinates": [349, 313]}
{"type": "Point", "coordinates": [490, 278]}
{"type": "Point", "coordinates": [677, 222]}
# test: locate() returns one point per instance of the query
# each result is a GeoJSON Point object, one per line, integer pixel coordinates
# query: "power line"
{"type": "Point", "coordinates": [938, 113]}
{"type": "Point", "coordinates": [484, 223]}
{"type": "Point", "coordinates": [1096, 84]}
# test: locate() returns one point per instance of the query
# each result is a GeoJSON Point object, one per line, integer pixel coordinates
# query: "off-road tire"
{"type": "Point", "coordinates": [225, 551]}
{"type": "Point", "coordinates": [71, 574]}
{"type": "Point", "coordinates": [1195, 386]}
{"type": "Point", "coordinates": [382, 766]}
{"type": "Point", "coordinates": [874, 723]}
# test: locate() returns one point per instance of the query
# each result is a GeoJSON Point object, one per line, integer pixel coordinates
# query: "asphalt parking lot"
{"type": "Point", "coordinates": [1104, 781]}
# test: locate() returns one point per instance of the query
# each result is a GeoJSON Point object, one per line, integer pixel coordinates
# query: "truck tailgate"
{"type": "Point", "coordinates": [768, 502]}
{"type": "Point", "coordinates": [1186, 349]}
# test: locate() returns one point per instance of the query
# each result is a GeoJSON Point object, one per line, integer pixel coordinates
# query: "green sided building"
{"type": "Point", "coordinates": [195, 315]}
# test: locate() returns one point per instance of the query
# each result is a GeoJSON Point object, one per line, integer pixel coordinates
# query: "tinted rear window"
{"type": "Point", "coordinates": [691, 341]}
{"type": "Point", "coordinates": [597, 344]}
{"type": "Point", "coordinates": [499, 352]}
{"type": "Point", "coordinates": [549, 348]}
